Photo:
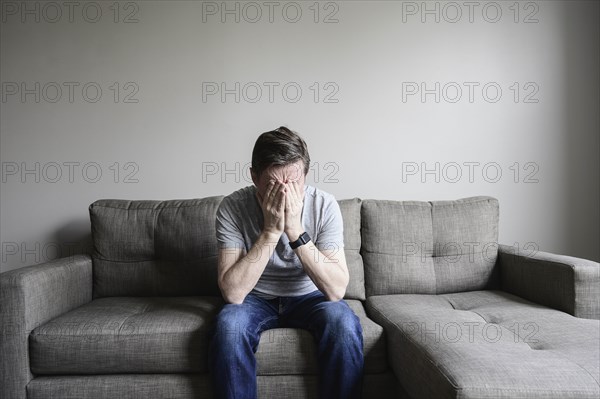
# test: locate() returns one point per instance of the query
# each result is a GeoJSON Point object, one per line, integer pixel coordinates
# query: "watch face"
{"type": "Point", "coordinates": [305, 238]}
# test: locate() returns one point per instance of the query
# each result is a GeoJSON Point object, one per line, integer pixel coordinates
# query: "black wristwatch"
{"type": "Point", "coordinates": [303, 239]}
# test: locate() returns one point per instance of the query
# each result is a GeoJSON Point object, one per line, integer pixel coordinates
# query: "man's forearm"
{"type": "Point", "coordinates": [241, 278]}
{"type": "Point", "coordinates": [328, 274]}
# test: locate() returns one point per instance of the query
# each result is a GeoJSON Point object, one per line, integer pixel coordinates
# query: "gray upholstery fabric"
{"type": "Point", "coordinates": [350, 209]}
{"type": "Point", "coordinates": [293, 351]}
{"type": "Point", "coordinates": [376, 386]}
{"type": "Point", "coordinates": [127, 386]}
{"type": "Point", "coordinates": [488, 344]}
{"type": "Point", "coordinates": [127, 335]}
{"type": "Point", "coordinates": [561, 282]}
{"type": "Point", "coordinates": [191, 386]}
{"type": "Point", "coordinates": [29, 297]}
{"type": "Point", "coordinates": [154, 248]}
{"type": "Point", "coordinates": [429, 247]}
{"type": "Point", "coordinates": [170, 335]}
{"type": "Point", "coordinates": [465, 243]}
{"type": "Point", "coordinates": [168, 248]}
{"type": "Point", "coordinates": [153, 279]}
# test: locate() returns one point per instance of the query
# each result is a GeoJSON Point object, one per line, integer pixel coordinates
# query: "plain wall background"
{"type": "Point", "coordinates": [166, 136]}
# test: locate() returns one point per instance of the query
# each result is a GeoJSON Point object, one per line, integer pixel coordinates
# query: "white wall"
{"type": "Point", "coordinates": [368, 57]}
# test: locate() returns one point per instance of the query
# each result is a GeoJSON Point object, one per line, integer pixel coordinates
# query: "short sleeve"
{"type": "Point", "coordinates": [229, 234]}
{"type": "Point", "coordinates": [331, 234]}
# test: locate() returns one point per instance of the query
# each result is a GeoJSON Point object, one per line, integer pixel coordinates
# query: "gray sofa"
{"type": "Point", "coordinates": [445, 310]}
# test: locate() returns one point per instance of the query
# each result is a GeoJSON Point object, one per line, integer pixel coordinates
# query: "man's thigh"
{"type": "Point", "coordinates": [314, 313]}
{"type": "Point", "coordinates": [252, 316]}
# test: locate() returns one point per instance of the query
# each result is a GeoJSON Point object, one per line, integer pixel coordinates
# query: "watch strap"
{"type": "Point", "coordinates": [303, 239]}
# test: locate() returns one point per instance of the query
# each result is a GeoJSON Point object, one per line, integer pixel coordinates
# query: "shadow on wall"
{"type": "Point", "coordinates": [72, 238]}
{"type": "Point", "coordinates": [582, 126]}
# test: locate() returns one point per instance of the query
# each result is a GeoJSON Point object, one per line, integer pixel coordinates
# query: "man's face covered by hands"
{"type": "Point", "coordinates": [287, 175]}
{"type": "Point", "coordinates": [280, 193]}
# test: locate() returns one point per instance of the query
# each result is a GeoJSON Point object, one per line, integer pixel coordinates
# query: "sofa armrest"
{"type": "Point", "coordinates": [565, 283]}
{"type": "Point", "coordinates": [29, 297]}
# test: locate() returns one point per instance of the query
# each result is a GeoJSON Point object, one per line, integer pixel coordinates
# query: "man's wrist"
{"type": "Point", "coordinates": [294, 235]}
{"type": "Point", "coordinates": [270, 236]}
{"type": "Point", "coordinates": [303, 239]}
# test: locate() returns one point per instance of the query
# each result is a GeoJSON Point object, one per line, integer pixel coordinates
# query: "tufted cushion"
{"type": "Point", "coordinates": [293, 351]}
{"type": "Point", "coordinates": [429, 247]}
{"type": "Point", "coordinates": [487, 344]}
{"type": "Point", "coordinates": [127, 335]}
{"type": "Point", "coordinates": [350, 209]}
{"type": "Point", "coordinates": [171, 335]}
{"type": "Point", "coordinates": [154, 248]}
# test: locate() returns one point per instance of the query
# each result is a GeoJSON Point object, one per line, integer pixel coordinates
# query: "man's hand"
{"type": "Point", "coordinates": [239, 273]}
{"type": "Point", "coordinates": [294, 200]}
{"type": "Point", "coordinates": [273, 207]}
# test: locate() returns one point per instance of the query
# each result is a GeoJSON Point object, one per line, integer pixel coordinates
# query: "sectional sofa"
{"type": "Point", "coordinates": [446, 311]}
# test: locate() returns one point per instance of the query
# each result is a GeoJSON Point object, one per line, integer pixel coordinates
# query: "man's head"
{"type": "Point", "coordinates": [279, 155]}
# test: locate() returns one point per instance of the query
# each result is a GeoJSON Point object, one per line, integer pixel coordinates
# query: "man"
{"type": "Point", "coordinates": [282, 264]}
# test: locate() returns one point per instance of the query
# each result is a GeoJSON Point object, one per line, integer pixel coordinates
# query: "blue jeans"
{"type": "Point", "coordinates": [337, 332]}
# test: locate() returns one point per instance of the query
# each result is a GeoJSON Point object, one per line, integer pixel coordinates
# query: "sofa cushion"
{"type": "Point", "coordinates": [414, 247]}
{"type": "Point", "coordinates": [488, 344]}
{"type": "Point", "coordinates": [126, 335]}
{"type": "Point", "coordinates": [121, 386]}
{"type": "Point", "coordinates": [169, 248]}
{"type": "Point", "coordinates": [191, 386]}
{"type": "Point", "coordinates": [293, 351]}
{"type": "Point", "coordinates": [154, 248]}
{"type": "Point", "coordinates": [170, 335]}
{"type": "Point", "coordinates": [350, 209]}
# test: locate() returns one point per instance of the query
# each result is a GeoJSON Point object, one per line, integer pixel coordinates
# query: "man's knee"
{"type": "Point", "coordinates": [341, 320]}
{"type": "Point", "coordinates": [231, 322]}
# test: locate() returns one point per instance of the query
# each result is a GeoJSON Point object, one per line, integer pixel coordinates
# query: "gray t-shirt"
{"type": "Point", "coordinates": [240, 222]}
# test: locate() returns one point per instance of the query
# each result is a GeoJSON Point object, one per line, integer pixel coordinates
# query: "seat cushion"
{"type": "Point", "coordinates": [126, 335]}
{"type": "Point", "coordinates": [488, 344]}
{"type": "Point", "coordinates": [293, 351]}
{"type": "Point", "coordinates": [170, 335]}
{"type": "Point", "coordinates": [191, 386]}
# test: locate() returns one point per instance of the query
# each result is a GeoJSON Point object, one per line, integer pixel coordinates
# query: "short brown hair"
{"type": "Point", "coordinates": [279, 147]}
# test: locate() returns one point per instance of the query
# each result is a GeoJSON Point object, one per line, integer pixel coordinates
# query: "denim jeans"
{"type": "Point", "coordinates": [335, 327]}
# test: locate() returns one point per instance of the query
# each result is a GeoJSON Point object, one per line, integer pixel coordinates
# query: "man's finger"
{"type": "Point", "coordinates": [274, 195]}
{"type": "Point", "coordinates": [269, 190]}
{"type": "Point", "coordinates": [291, 192]}
{"type": "Point", "coordinates": [282, 203]}
{"type": "Point", "coordinates": [289, 201]}
{"type": "Point", "coordinates": [301, 192]}
{"type": "Point", "coordinates": [296, 192]}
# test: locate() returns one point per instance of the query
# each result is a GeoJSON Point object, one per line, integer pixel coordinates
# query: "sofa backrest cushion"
{"type": "Point", "coordinates": [414, 247]}
{"type": "Point", "coordinates": [350, 209]}
{"type": "Point", "coordinates": [169, 248]}
{"type": "Point", "coordinates": [154, 248]}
